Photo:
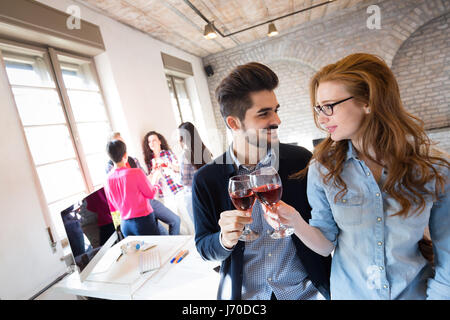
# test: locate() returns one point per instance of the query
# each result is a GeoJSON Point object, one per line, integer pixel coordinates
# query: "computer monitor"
{"type": "Point", "coordinates": [90, 231]}
{"type": "Point", "coordinates": [317, 141]}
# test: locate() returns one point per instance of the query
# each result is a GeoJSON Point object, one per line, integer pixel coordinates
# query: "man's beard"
{"type": "Point", "coordinates": [259, 139]}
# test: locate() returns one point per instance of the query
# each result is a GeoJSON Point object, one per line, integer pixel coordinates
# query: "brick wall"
{"type": "Point", "coordinates": [422, 67]}
{"type": "Point", "coordinates": [413, 33]}
{"type": "Point", "coordinates": [292, 94]}
{"type": "Point", "coordinates": [441, 137]}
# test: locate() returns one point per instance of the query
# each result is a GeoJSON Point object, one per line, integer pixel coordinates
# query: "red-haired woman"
{"type": "Point", "coordinates": [374, 184]}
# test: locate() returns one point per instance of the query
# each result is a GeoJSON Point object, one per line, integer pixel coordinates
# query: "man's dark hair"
{"type": "Point", "coordinates": [116, 150]}
{"type": "Point", "coordinates": [233, 93]}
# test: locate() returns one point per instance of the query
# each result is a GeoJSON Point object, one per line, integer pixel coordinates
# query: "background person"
{"type": "Point", "coordinates": [160, 160]}
{"type": "Point", "coordinates": [195, 155]}
{"type": "Point", "coordinates": [162, 213]}
{"type": "Point", "coordinates": [128, 191]}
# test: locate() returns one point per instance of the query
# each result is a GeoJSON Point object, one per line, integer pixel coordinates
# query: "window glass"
{"type": "Point", "coordinates": [66, 138]}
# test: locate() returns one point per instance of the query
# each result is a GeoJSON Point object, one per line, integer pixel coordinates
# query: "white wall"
{"type": "Point", "coordinates": [27, 262]}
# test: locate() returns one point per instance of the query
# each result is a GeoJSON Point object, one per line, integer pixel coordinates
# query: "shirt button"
{"type": "Point", "coordinates": [377, 194]}
{"type": "Point", "coordinates": [368, 173]}
{"type": "Point", "coordinates": [268, 232]}
{"type": "Point", "coordinates": [269, 254]}
{"type": "Point", "coordinates": [270, 279]}
{"type": "Point", "coordinates": [380, 243]}
{"type": "Point", "coordinates": [344, 201]}
{"type": "Point", "coordinates": [381, 268]}
{"type": "Point", "coordinates": [379, 219]}
{"type": "Point", "coordinates": [385, 286]}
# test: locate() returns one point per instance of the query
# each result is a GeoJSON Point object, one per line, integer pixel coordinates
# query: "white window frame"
{"type": "Point", "coordinates": [172, 78]}
{"type": "Point", "coordinates": [50, 56]}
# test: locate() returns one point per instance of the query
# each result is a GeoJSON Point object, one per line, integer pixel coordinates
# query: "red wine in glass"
{"type": "Point", "coordinates": [266, 184]}
{"type": "Point", "coordinates": [243, 198]}
{"type": "Point", "coordinates": [269, 194]}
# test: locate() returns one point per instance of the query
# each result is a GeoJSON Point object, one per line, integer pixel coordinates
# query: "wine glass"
{"type": "Point", "coordinates": [266, 184]}
{"type": "Point", "coordinates": [243, 198]}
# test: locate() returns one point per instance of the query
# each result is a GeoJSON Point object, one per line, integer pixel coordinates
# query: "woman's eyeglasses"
{"type": "Point", "coordinates": [327, 109]}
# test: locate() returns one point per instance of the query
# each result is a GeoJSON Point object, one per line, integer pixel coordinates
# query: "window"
{"type": "Point", "coordinates": [180, 99]}
{"type": "Point", "coordinates": [64, 119]}
{"type": "Point", "coordinates": [89, 113]}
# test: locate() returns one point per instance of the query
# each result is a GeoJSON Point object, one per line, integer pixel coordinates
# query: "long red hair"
{"type": "Point", "coordinates": [396, 138]}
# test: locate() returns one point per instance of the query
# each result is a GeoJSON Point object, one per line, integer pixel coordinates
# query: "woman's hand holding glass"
{"type": "Point", "coordinates": [158, 163]}
{"type": "Point", "coordinates": [267, 186]}
{"type": "Point", "coordinates": [282, 213]}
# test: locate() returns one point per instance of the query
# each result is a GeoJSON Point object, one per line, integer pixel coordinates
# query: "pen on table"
{"type": "Point", "coordinates": [177, 256]}
{"type": "Point", "coordinates": [184, 255]}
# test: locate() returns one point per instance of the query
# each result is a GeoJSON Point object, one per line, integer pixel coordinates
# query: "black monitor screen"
{"type": "Point", "coordinates": [88, 226]}
{"type": "Point", "coordinates": [317, 141]}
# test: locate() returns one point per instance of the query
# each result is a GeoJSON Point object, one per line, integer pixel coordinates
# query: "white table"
{"type": "Point", "coordinates": [191, 279]}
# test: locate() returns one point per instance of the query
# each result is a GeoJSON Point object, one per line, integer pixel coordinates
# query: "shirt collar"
{"type": "Point", "coordinates": [268, 160]}
{"type": "Point", "coordinates": [351, 152]}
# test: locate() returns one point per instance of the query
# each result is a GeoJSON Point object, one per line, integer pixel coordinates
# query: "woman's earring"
{"type": "Point", "coordinates": [368, 110]}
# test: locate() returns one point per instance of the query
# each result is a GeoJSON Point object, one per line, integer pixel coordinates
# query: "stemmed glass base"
{"type": "Point", "coordinates": [248, 234]}
{"type": "Point", "coordinates": [282, 231]}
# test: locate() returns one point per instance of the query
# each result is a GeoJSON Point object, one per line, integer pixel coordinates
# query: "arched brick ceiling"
{"type": "Point", "coordinates": [175, 23]}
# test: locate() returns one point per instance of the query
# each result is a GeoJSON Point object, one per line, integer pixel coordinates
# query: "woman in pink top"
{"type": "Point", "coordinates": [128, 191]}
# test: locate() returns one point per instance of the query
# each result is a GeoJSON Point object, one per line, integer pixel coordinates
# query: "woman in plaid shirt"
{"type": "Point", "coordinates": [159, 156]}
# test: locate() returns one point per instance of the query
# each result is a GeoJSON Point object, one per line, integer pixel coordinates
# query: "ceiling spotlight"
{"type": "Point", "coordinates": [272, 30]}
{"type": "Point", "coordinates": [209, 33]}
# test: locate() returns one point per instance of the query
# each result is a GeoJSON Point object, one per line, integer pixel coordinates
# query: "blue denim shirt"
{"type": "Point", "coordinates": [376, 254]}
